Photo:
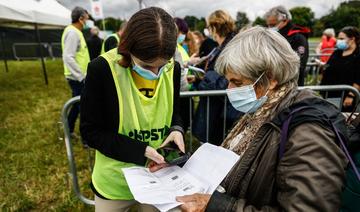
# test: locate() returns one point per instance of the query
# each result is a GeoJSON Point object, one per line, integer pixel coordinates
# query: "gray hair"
{"type": "Point", "coordinates": [257, 50]}
{"type": "Point", "coordinates": [76, 13]}
{"type": "Point", "coordinates": [280, 12]}
{"type": "Point", "coordinates": [329, 32]}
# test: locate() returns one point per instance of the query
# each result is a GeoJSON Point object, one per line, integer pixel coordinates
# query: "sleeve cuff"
{"type": "Point", "coordinates": [177, 128]}
{"type": "Point", "coordinates": [220, 202]}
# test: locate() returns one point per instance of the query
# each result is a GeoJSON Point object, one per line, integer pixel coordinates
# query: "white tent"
{"type": "Point", "coordinates": [43, 12]}
{"type": "Point", "coordinates": [33, 13]}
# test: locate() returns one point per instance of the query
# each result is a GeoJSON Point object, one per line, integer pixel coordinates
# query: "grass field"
{"type": "Point", "coordinates": [314, 39]}
{"type": "Point", "coordinates": [33, 167]}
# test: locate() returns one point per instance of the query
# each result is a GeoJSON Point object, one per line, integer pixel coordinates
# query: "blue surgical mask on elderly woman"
{"type": "Point", "coordinates": [147, 74]}
{"type": "Point", "coordinates": [181, 38]}
{"type": "Point", "coordinates": [244, 98]}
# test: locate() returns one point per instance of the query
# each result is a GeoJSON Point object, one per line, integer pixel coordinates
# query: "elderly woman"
{"type": "Point", "coordinates": [262, 70]}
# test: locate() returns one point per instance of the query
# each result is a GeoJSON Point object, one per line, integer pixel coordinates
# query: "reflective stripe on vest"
{"type": "Point", "coordinates": [82, 56]}
{"type": "Point", "coordinates": [103, 44]}
{"type": "Point", "coordinates": [141, 118]}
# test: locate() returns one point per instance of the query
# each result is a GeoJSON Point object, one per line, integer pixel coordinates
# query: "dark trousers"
{"type": "Point", "coordinates": [76, 89]}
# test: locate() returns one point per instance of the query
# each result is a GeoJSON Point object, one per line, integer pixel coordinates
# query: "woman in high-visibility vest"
{"type": "Point", "coordinates": [129, 106]}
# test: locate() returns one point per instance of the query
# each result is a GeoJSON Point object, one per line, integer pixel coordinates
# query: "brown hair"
{"type": "Point", "coordinates": [352, 32]}
{"type": "Point", "coordinates": [222, 22]}
{"type": "Point", "coordinates": [149, 34]}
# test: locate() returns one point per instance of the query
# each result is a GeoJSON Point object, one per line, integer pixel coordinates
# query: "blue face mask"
{"type": "Point", "coordinates": [244, 98]}
{"type": "Point", "coordinates": [147, 74]}
{"type": "Point", "coordinates": [181, 38]}
{"type": "Point", "coordinates": [342, 45]}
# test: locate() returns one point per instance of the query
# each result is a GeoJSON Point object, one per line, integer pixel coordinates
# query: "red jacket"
{"type": "Point", "coordinates": [327, 47]}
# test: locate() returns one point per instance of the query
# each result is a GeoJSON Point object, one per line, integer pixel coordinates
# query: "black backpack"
{"type": "Point", "coordinates": [348, 139]}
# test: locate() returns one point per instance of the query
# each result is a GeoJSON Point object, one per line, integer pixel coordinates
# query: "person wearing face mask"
{"type": "Point", "coordinates": [279, 19]}
{"type": "Point", "coordinates": [221, 27]}
{"type": "Point", "coordinates": [181, 56]}
{"type": "Point", "coordinates": [327, 44]}
{"type": "Point", "coordinates": [76, 57]}
{"type": "Point", "coordinates": [130, 106]}
{"type": "Point", "coordinates": [262, 70]}
{"type": "Point", "coordinates": [343, 65]}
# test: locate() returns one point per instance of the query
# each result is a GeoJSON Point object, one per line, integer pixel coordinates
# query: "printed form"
{"type": "Point", "coordinates": [202, 173]}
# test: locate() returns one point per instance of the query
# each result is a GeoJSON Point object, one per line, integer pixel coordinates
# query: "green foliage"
{"type": "Point", "coordinates": [318, 28]}
{"type": "Point", "coordinates": [302, 16]}
{"type": "Point", "coordinates": [241, 20]}
{"type": "Point", "coordinates": [195, 24]}
{"type": "Point", "coordinates": [344, 15]}
{"type": "Point", "coordinates": [111, 24]}
{"type": "Point", "coordinates": [259, 21]}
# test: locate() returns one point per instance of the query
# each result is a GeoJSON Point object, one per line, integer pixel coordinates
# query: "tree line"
{"type": "Point", "coordinates": [346, 14]}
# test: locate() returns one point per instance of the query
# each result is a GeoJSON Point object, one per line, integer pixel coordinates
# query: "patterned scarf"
{"type": "Point", "coordinates": [240, 137]}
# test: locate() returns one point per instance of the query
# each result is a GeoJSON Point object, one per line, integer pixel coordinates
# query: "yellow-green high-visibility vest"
{"type": "Point", "coordinates": [140, 117]}
{"type": "Point", "coordinates": [184, 55]}
{"type": "Point", "coordinates": [115, 35]}
{"type": "Point", "coordinates": [82, 56]}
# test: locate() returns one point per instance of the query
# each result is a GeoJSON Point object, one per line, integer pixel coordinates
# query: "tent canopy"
{"type": "Point", "coordinates": [43, 12]}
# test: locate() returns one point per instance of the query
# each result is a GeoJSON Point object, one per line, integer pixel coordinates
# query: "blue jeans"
{"type": "Point", "coordinates": [76, 89]}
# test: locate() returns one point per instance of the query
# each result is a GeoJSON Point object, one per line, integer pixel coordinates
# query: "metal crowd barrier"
{"type": "Point", "coordinates": [312, 73]}
{"type": "Point", "coordinates": [189, 94]}
{"type": "Point", "coordinates": [69, 150]}
{"type": "Point", "coordinates": [50, 50]}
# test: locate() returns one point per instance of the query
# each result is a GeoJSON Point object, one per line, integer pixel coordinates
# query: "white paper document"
{"type": "Point", "coordinates": [202, 173]}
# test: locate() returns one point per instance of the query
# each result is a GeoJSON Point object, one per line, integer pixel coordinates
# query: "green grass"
{"type": "Point", "coordinates": [314, 39]}
{"type": "Point", "coordinates": [33, 167]}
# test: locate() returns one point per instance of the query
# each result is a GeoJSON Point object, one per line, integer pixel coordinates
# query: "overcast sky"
{"type": "Point", "coordinates": [202, 8]}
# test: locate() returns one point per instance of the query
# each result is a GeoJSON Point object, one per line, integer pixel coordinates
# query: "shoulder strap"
{"type": "Point", "coordinates": [285, 131]}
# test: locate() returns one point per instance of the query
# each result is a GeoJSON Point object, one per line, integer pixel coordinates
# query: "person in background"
{"type": "Point", "coordinates": [130, 106]}
{"type": "Point", "coordinates": [222, 29]}
{"type": "Point", "coordinates": [113, 40]}
{"type": "Point", "coordinates": [94, 43]}
{"type": "Point", "coordinates": [343, 65]}
{"type": "Point", "coordinates": [182, 57]}
{"type": "Point", "coordinates": [198, 40]}
{"type": "Point", "coordinates": [279, 19]}
{"type": "Point", "coordinates": [76, 57]}
{"type": "Point", "coordinates": [206, 47]}
{"type": "Point", "coordinates": [191, 43]}
{"type": "Point", "coordinates": [327, 44]}
{"type": "Point", "coordinates": [308, 175]}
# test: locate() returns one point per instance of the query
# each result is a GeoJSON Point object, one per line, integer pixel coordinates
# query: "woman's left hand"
{"type": "Point", "coordinates": [177, 138]}
{"type": "Point", "coordinates": [194, 202]}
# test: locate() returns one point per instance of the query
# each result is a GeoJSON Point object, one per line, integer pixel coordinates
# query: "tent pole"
{"type": "Point", "coordinates": [41, 53]}
{"type": "Point", "coordinates": [2, 36]}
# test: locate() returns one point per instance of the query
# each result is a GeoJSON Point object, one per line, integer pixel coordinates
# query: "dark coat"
{"type": "Point", "coordinates": [309, 176]}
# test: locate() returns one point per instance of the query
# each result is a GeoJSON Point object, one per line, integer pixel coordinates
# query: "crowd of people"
{"type": "Point", "coordinates": [131, 106]}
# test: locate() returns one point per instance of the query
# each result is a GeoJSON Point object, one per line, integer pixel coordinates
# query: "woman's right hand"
{"type": "Point", "coordinates": [153, 155]}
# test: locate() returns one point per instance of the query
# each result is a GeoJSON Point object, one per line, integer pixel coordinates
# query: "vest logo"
{"type": "Point", "coordinates": [149, 135]}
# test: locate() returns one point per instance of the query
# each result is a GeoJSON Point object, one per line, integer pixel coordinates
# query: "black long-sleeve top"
{"type": "Point", "coordinates": [110, 43]}
{"type": "Point", "coordinates": [99, 115]}
{"type": "Point", "coordinates": [295, 35]}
